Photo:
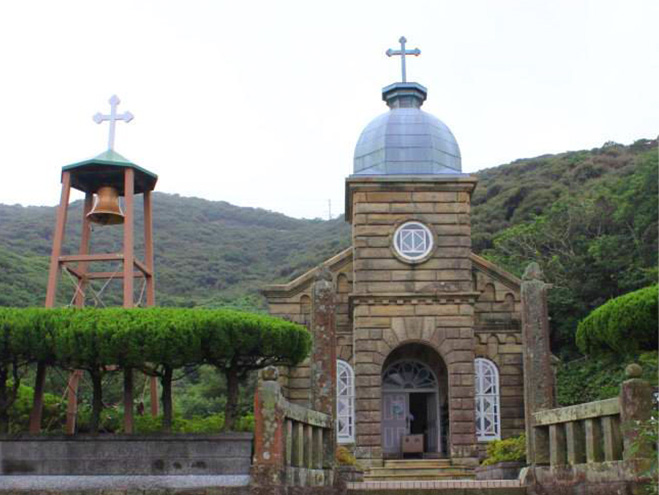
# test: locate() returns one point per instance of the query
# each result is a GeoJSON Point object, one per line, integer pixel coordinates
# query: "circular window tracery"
{"type": "Point", "coordinates": [413, 241]}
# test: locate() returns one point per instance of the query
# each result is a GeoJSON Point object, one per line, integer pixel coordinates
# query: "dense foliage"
{"type": "Point", "coordinates": [625, 324]}
{"type": "Point", "coordinates": [101, 341]}
{"type": "Point", "coordinates": [599, 377]}
{"type": "Point", "coordinates": [593, 245]}
{"type": "Point", "coordinates": [509, 450]}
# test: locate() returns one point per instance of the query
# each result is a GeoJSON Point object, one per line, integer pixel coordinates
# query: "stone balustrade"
{"type": "Point", "coordinates": [579, 434]}
{"type": "Point", "coordinates": [293, 445]}
{"type": "Point", "coordinates": [594, 432]}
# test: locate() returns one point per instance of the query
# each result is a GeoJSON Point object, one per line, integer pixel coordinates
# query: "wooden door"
{"type": "Point", "coordinates": [395, 412]}
{"type": "Point", "coordinates": [433, 423]}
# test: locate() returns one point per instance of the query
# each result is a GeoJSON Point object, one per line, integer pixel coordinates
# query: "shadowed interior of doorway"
{"type": "Point", "coordinates": [414, 400]}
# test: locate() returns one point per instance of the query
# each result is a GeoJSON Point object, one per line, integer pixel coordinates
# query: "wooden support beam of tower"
{"type": "Point", "coordinates": [91, 257]}
{"type": "Point", "coordinates": [51, 292]}
{"type": "Point", "coordinates": [58, 240]}
{"type": "Point", "coordinates": [84, 249]}
{"type": "Point", "coordinates": [150, 285]}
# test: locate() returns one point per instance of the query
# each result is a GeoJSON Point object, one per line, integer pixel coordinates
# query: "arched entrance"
{"type": "Point", "coordinates": [414, 392]}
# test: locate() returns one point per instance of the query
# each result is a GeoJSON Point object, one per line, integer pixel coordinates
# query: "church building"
{"type": "Point", "coordinates": [427, 333]}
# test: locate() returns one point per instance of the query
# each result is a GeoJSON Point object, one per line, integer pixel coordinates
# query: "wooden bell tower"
{"type": "Point", "coordinates": [103, 179]}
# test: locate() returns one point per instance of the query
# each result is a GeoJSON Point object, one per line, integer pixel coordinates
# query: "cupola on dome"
{"type": "Point", "coordinates": [406, 140]}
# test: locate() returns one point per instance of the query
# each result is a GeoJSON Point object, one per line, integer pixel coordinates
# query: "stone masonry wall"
{"type": "Point", "coordinates": [376, 216]}
{"type": "Point", "coordinates": [397, 302]}
{"type": "Point", "coordinates": [294, 303]}
{"type": "Point", "coordinates": [443, 324]}
{"type": "Point", "coordinates": [498, 338]}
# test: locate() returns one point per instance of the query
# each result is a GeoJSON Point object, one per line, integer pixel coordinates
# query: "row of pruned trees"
{"type": "Point", "coordinates": [155, 341]}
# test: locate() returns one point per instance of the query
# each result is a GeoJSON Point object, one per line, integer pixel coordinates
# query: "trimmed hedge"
{"type": "Point", "coordinates": [626, 324]}
{"type": "Point", "coordinates": [508, 450]}
{"type": "Point", "coordinates": [156, 341]}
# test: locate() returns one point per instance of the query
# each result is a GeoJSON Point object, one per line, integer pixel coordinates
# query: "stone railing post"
{"type": "Point", "coordinates": [269, 463]}
{"type": "Point", "coordinates": [635, 406]}
{"type": "Point", "coordinates": [538, 375]}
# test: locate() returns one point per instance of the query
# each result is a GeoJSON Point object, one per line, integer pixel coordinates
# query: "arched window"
{"type": "Point", "coordinates": [409, 375]}
{"type": "Point", "coordinates": [345, 402]}
{"type": "Point", "coordinates": [488, 414]}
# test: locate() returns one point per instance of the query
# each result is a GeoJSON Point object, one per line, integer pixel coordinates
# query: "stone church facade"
{"type": "Point", "coordinates": [427, 333]}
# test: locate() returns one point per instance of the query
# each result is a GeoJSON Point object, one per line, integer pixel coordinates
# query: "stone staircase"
{"type": "Point", "coordinates": [418, 470]}
{"type": "Point", "coordinates": [427, 477]}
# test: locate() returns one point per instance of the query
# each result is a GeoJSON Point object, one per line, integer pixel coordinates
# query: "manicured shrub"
{"type": "Point", "coordinates": [626, 324]}
{"type": "Point", "coordinates": [508, 450]}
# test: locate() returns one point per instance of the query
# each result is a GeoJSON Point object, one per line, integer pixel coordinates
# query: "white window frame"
{"type": "Point", "coordinates": [487, 400]}
{"type": "Point", "coordinates": [414, 255]}
{"type": "Point", "coordinates": [345, 402]}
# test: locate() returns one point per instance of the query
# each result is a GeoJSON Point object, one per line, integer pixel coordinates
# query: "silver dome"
{"type": "Point", "coordinates": [406, 141]}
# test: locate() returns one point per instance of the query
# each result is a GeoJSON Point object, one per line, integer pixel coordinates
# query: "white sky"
{"type": "Point", "coordinates": [260, 103]}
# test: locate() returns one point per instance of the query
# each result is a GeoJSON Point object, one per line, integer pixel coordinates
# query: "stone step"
{"type": "Point", "coordinates": [433, 477]}
{"type": "Point", "coordinates": [448, 487]}
{"type": "Point", "coordinates": [438, 463]}
{"type": "Point", "coordinates": [418, 470]}
{"type": "Point", "coordinates": [413, 471]}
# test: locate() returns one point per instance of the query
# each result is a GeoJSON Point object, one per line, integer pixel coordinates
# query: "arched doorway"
{"type": "Point", "coordinates": [414, 392]}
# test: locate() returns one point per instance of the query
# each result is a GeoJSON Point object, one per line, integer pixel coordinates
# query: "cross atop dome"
{"type": "Point", "coordinates": [402, 52]}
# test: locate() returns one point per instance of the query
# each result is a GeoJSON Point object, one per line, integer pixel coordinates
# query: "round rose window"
{"type": "Point", "coordinates": [413, 241]}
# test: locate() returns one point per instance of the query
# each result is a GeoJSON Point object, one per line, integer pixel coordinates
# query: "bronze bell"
{"type": "Point", "coordinates": [106, 210]}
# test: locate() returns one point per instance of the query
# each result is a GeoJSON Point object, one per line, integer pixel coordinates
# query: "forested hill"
{"type": "Point", "coordinates": [588, 216]}
{"type": "Point", "coordinates": [206, 252]}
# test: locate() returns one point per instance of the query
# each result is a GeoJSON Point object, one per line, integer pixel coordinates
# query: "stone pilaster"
{"type": "Point", "coordinates": [538, 375]}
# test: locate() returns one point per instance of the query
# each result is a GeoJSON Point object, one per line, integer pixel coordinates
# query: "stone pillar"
{"type": "Point", "coordinates": [323, 354]}
{"type": "Point", "coordinates": [538, 376]}
{"type": "Point", "coordinates": [269, 463]}
{"type": "Point", "coordinates": [635, 405]}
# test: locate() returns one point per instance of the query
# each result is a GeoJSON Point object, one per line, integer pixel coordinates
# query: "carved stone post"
{"type": "Point", "coordinates": [269, 463]}
{"type": "Point", "coordinates": [323, 355]}
{"type": "Point", "coordinates": [538, 376]}
{"type": "Point", "coordinates": [635, 405]}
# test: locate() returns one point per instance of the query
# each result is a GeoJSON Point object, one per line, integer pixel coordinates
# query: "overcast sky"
{"type": "Point", "coordinates": [261, 103]}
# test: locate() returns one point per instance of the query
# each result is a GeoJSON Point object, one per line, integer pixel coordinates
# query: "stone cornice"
{"type": "Point", "coordinates": [496, 272]}
{"type": "Point", "coordinates": [413, 299]}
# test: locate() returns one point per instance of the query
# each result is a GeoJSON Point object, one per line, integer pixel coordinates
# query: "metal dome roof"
{"type": "Point", "coordinates": [406, 140]}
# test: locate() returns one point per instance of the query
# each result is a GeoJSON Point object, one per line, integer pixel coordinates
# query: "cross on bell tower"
{"type": "Point", "coordinates": [402, 52]}
{"type": "Point", "coordinates": [113, 118]}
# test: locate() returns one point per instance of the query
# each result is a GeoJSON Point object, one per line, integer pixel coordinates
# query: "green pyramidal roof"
{"type": "Point", "coordinates": [107, 169]}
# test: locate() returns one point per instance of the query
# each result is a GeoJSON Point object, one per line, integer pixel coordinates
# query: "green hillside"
{"type": "Point", "coordinates": [589, 217]}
